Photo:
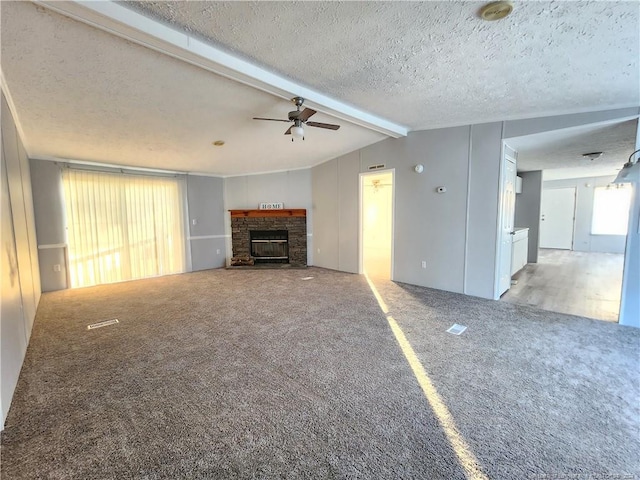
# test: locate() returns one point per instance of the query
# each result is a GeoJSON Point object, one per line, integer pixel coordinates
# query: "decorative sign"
{"type": "Point", "coordinates": [272, 206]}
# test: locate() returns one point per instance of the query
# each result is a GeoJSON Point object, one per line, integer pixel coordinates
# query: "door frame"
{"type": "Point", "coordinates": [361, 179]}
{"type": "Point", "coordinates": [501, 184]}
{"type": "Point", "coordinates": [573, 222]}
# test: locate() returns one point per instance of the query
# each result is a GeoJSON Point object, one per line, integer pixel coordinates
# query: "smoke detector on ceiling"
{"type": "Point", "coordinates": [592, 155]}
{"type": "Point", "coordinates": [496, 10]}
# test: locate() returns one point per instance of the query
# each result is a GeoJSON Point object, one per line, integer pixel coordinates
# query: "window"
{"type": "Point", "coordinates": [122, 227]}
{"type": "Point", "coordinates": [611, 209]}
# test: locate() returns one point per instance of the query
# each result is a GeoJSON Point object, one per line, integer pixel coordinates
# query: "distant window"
{"type": "Point", "coordinates": [611, 209]}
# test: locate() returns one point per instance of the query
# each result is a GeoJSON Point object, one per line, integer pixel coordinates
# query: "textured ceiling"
{"type": "Point", "coordinates": [83, 93]}
{"type": "Point", "coordinates": [559, 153]}
{"type": "Point", "coordinates": [430, 64]}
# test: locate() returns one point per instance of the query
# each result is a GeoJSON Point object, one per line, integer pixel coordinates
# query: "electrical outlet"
{"type": "Point", "coordinates": [57, 268]}
{"type": "Point", "coordinates": [194, 221]}
{"type": "Point", "coordinates": [218, 251]}
{"type": "Point", "coordinates": [424, 264]}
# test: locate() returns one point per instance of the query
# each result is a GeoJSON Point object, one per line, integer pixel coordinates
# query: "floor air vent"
{"type": "Point", "coordinates": [106, 323]}
{"type": "Point", "coordinates": [456, 329]}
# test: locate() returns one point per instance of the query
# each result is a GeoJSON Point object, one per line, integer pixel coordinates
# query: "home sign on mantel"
{"type": "Point", "coordinates": [271, 206]}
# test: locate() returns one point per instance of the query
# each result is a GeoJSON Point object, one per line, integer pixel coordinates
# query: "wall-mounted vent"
{"type": "Point", "coordinates": [102, 324]}
{"type": "Point", "coordinates": [376, 167]}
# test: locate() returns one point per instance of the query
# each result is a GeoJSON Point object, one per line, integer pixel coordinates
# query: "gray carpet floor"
{"type": "Point", "coordinates": [260, 374]}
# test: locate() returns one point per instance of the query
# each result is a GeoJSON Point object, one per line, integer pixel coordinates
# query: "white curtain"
{"type": "Point", "coordinates": [122, 227]}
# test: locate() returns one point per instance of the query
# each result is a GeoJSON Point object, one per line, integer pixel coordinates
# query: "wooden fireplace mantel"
{"type": "Point", "coordinates": [289, 212]}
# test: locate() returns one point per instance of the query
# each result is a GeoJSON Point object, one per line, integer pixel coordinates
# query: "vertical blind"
{"type": "Point", "coordinates": [122, 227]}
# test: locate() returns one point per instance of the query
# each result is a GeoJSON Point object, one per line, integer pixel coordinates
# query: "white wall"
{"type": "Point", "coordinates": [630, 305]}
{"type": "Point", "coordinates": [293, 188]}
{"type": "Point", "coordinates": [583, 240]}
{"type": "Point", "coordinates": [20, 273]}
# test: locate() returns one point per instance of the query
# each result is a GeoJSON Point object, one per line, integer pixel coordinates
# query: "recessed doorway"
{"type": "Point", "coordinates": [557, 218]}
{"type": "Point", "coordinates": [376, 220]}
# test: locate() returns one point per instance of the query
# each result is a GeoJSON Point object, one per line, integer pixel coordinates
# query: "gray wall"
{"type": "Point", "coordinates": [293, 188]}
{"type": "Point", "coordinates": [20, 274]}
{"type": "Point", "coordinates": [336, 213]}
{"type": "Point", "coordinates": [455, 232]}
{"type": "Point", "coordinates": [485, 161]}
{"type": "Point", "coordinates": [48, 201]}
{"type": "Point", "coordinates": [204, 203]}
{"type": "Point", "coordinates": [427, 226]}
{"type": "Point", "coordinates": [583, 240]}
{"type": "Point", "coordinates": [528, 210]}
{"type": "Point", "coordinates": [207, 238]}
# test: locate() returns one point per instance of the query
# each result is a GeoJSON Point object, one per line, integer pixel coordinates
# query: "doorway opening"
{"type": "Point", "coordinates": [576, 217]}
{"type": "Point", "coordinates": [376, 224]}
{"type": "Point", "coordinates": [557, 218]}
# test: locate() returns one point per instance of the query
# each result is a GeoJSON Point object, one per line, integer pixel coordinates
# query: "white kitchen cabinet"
{"type": "Point", "coordinates": [519, 249]}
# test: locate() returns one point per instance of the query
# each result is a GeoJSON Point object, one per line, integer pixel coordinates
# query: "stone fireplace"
{"type": "Point", "coordinates": [270, 236]}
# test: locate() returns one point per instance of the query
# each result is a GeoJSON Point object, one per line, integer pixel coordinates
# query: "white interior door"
{"type": "Point", "coordinates": [507, 216]}
{"type": "Point", "coordinates": [557, 218]}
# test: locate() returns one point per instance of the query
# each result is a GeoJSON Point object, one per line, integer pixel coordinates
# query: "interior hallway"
{"type": "Point", "coordinates": [587, 284]}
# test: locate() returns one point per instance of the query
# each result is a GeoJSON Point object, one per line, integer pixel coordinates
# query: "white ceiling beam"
{"type": "Point", "coordinates": [125, 23]}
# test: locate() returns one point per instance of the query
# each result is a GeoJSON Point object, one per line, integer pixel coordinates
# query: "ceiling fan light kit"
{"type": "Point", "coordinates": [297, 132]}
{"type": "Point", "coordinates": [300, 120]}
{"type": "Point", "coordinates": [630, 172]}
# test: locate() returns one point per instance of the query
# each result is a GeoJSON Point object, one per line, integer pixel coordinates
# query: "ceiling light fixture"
{"type": "Point", "coordinates": [496, 10]}
{"type": "Point", "coordinates": [630, 172]}
{"type": "Point", "coordinates": [297, 131]}
{"type": "Point", "coordinates": [592, 155]}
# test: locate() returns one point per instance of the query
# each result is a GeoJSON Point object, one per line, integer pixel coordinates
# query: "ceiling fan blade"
{"type": "Point", "coordinates": [288, 132]}
{"type": "Point", "coordinates": [329, 126]}
{"type": "Point", "coordinates": [272, 119]}
{"type": "Point", "coordinates": [306, 113]}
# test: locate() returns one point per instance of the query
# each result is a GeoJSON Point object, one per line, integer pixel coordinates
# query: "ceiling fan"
{"type": "Point", "coordinates": [300, 119]}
